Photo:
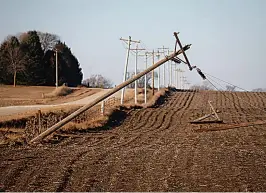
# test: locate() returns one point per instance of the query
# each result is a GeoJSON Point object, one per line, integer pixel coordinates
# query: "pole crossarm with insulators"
{"type": "Point", "coordinates": [145, 76]}
{"type": "Point", "coordinates": [106, 95]}
{"type": "Point", "coordinates": [136, 70]}
{"type": "Point", "coordinates": [129, 41]}
{"type": "Point", "coordinates": [183, 52]}
{"type": "Point", "coordinates": [163, 48]}
{"type": "Point", "coordinates": [158, 54]}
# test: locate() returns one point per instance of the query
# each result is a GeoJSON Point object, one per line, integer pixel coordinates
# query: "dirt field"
{"type": "Point", "coordinates": [30, 95]}
{"type": "Point", "coordinates": [154, 149]}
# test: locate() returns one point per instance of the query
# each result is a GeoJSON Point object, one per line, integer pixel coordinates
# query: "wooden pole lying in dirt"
{"type": "Point", "coordinates": [111, 92]}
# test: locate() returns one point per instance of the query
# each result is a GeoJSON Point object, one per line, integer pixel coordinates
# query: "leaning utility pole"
{"type": "Point", "coordinates": [136, 69]}
{"type": "Point", "coordinates": [129, 40]}
{"type": "Point", "coordinates": [163, 48]}
{"type": "Point", "coordinates": [106, 95]}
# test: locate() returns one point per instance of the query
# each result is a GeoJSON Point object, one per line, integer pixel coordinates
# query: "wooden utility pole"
{"type": "Point", "coordinates": [153, 58]}
{"type": "Point", "coordinates": [99, 99]}
{"type": "Point", "coordinates": [213, 113]}
{"type": "Point", "coordinates": [163, 48]}
{"type": "Point", "coordinates": [145, 78]}
{"type": "Point", "coordinates": [152, 73]}
{"type": "Point", "coordinates": [179, 78]}
{"type": "Point", "coordinates": [129, 40]}
{"type": "Point", "coordinates": [136, 71]}
{"type": "Point", "coordinates": [56, 68]}
{"type": "Point", "coordinates": [158, 77]}
{"type": "Point", "coordinates": [170, 69]}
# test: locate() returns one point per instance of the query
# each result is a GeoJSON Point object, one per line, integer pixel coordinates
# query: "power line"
{"type": "Point", "coordinates": [129, 40]}
{"type": "Point", "coordinates": [235, 95]}
{"type": "Point", "coordinates": [226, 82]}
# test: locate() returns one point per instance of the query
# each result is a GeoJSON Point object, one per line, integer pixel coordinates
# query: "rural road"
{"type": "Point", "coordinates": [11, 110]}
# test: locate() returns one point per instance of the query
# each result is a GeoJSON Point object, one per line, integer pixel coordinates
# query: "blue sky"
{"type": "Point", "coordinates": [227, 36]}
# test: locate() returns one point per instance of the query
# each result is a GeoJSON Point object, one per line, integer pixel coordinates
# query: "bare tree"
{"type": "Point", "coordinates": [259, 90]}
{"type": "Point", "coordinates": [141, 80]}
{"type": "Point", "coordinates": [16, 59]}
{"type": "Point", "coordinates": [230, 88]}
{"type": "Point", "coordinates": [204, 86]}
{"type": "Point", "coordinates": [22, 36]}
{"type": "Point", "coordinates": [97, 81]}
{"type": "Point", "coordinates": [48, 40]}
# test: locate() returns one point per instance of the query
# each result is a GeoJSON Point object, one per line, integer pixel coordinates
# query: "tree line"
{"type": "Point", "coordinates": [29, 59]}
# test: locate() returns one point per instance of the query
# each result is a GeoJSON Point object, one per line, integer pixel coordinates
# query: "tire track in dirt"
{"type": "Point", "coordinates": [68, 172]}
{"type": "Point", "coordinates": [169, 122]}
{"type": "Point", "coordinates": [145, 116]}
{"type": "Point", "coordinates": [162, 118]}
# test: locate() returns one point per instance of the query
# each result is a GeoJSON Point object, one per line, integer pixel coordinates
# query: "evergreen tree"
{"type": "Point", "coordinates": [23, 60]}
{"type": "Point", "coordinates": [32, 49]}
{"type": "Point", "coordinates": [3, 65]}
{"type": "Point", "coordinates": [69, 70]}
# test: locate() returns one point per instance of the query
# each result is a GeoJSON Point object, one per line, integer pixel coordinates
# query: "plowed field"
{"type": "Point", "coordinates": [154, 149]}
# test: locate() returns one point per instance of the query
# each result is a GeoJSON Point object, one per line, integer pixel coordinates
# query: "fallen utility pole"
{"type": "Point", "coordinates": [111, 92]}
{"type": "Point", "coordinates": [213, 113]}
{"type": "Point", "coordinates": [233, 126]}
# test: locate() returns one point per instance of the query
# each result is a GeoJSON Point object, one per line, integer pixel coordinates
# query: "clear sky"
{"type": "Point", "coordinates": [228, 37]}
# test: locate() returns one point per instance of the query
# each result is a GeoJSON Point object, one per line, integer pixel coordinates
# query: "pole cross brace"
{"type": "Point", "coordinates": [181, 47]}
{"type": "Point", "coordinates": [212, 114]}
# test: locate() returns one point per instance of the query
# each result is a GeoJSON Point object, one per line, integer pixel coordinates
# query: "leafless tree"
{"type": "Point", "coordinates": [230, 88]}
{"type": "Point", "coordinates": [259, 90]}
{"type": "Point", "coordinates": [48, 40]}
{"type": "Point", "coordinates": [204, 86]}
{"type": "Point", "coordinates": [22, 36]}
{"type": "Point", "coordinates": [16, 59]}
{"type": "Point", "coordinates": [97, 81]}
{"type": "Point", "coordinates": [141, 81]}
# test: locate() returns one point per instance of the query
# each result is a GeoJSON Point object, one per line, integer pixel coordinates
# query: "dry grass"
{"type": "Point", "coordinates": [11, 136]}
{"type": "Point", "coordinates": [39, 95]}
{"type": "Point", "coordinates": [60, 91]}
{"type": "Point", "coordinates": [27, 114]}
{"type": "Point", "coordinates": [154, 99]}
{"type": "Point", "coordinates": [92, 122]}
{"type": "Point", "coordinates": [96, 122]}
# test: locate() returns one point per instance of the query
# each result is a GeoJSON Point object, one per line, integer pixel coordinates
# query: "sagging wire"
{"type": "Point", "coordinates": [226, 82]}
{"type": "Point", "coordinates": [232, 93]}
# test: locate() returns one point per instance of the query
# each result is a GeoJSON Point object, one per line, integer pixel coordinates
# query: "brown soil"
{"type": "Point", "coordinates": [33, 95]}
{"type": "Point", "coordinates": [152, 149]}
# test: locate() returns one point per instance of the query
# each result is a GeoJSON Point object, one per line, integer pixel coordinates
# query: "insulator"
{"type": "Point", "coordinates": [176, 60]}
{"type": "Point", "coordinates": [201, 74]}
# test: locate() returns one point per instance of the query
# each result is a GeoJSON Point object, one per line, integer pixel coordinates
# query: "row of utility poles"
{"type": "Point", "coordinates": [180, 81]}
